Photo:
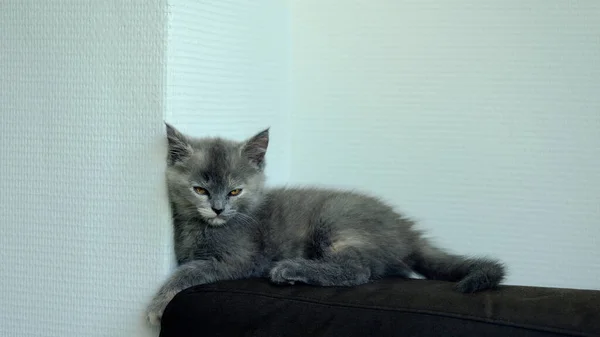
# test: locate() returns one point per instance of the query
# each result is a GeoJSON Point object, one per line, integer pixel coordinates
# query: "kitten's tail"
{"type": "Point", "coordinates": [472, 274]}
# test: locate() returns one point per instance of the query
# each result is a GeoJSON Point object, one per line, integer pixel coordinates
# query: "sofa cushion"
{"type": "Point", "coordinates": [388, 307]}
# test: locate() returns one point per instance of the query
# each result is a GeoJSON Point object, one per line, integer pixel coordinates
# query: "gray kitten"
{"type": "Point", "coordinates": [228, 226]}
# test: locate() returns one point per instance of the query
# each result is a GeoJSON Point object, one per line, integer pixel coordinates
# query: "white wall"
{"type": "Point", "coordinates": [85, 88]}
{"type": "Point", "coordinates": [480, 119]}
{"type": "Point", "coordinates": [83, 211]}
{"type": "Point", "coordinates": [227, 72]}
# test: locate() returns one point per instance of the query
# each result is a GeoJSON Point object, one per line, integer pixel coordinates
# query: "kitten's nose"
{"type": "Point", "coordinates": [217, 210]}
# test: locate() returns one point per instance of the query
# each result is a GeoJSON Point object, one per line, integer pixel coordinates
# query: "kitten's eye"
{"type": "Point", "coordinates": [235, 192]}
{"type": "Point", "coordinates": [200, 190]}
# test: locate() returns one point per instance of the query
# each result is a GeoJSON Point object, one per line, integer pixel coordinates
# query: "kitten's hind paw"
{"type": "Point", "coordinates": [482, 279]}
{"type": "Point", "coordinates": [287, 272]}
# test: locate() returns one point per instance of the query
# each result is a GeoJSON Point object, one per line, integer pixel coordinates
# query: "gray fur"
{"type": "Point", "coordinates": [316, 236]}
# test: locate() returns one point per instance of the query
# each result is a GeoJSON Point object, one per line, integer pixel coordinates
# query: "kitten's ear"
{"type": "Point", "coordinates": [255, 148]}
{"type": "Point", "coordinates": [179, 147]}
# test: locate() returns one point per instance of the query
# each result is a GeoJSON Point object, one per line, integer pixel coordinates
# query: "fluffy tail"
{"type": "Point", "coordinates": [472, 274]}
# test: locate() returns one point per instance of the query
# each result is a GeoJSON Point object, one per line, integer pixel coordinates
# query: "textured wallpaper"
{"type": "Point", "coordinates": [83, 212]}
{"type": "Point", "coordinates": [86, 235]}
{"type": "Point", "coordinates": [481, 119]}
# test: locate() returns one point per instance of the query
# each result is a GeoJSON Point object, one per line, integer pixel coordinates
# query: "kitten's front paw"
{"type": "Point", "coordinates": [155, 310]}
{"type": "Point", "coordinates": [287, 271]}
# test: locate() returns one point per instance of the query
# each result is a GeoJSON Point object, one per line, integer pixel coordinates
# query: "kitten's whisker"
{"type": "Point", "coordinates": [246, 217]}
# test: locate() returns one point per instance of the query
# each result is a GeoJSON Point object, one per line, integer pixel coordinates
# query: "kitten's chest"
{"type": "Point", "coordinates": [221, 243]}
{"type": "Point", "coordinates": [189, 243]}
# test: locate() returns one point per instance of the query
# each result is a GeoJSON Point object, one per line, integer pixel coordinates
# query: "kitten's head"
{"type": "Point", "coordinates": [213, 178]}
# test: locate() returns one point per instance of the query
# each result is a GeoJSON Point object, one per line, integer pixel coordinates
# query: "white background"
{"type": "Point", "coordinates": [480, 119]}
{"type": "Point", "coordinates": [227, 73]}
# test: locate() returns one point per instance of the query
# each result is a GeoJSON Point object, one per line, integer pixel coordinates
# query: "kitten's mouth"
{"type": "Point", "coordinates": [212, 218]}
{"type": "Point", "coordinates": [217, 221]}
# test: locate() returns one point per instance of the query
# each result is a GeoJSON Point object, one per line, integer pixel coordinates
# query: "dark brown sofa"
{"type": "Point", "coordinates": [389, 307]}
